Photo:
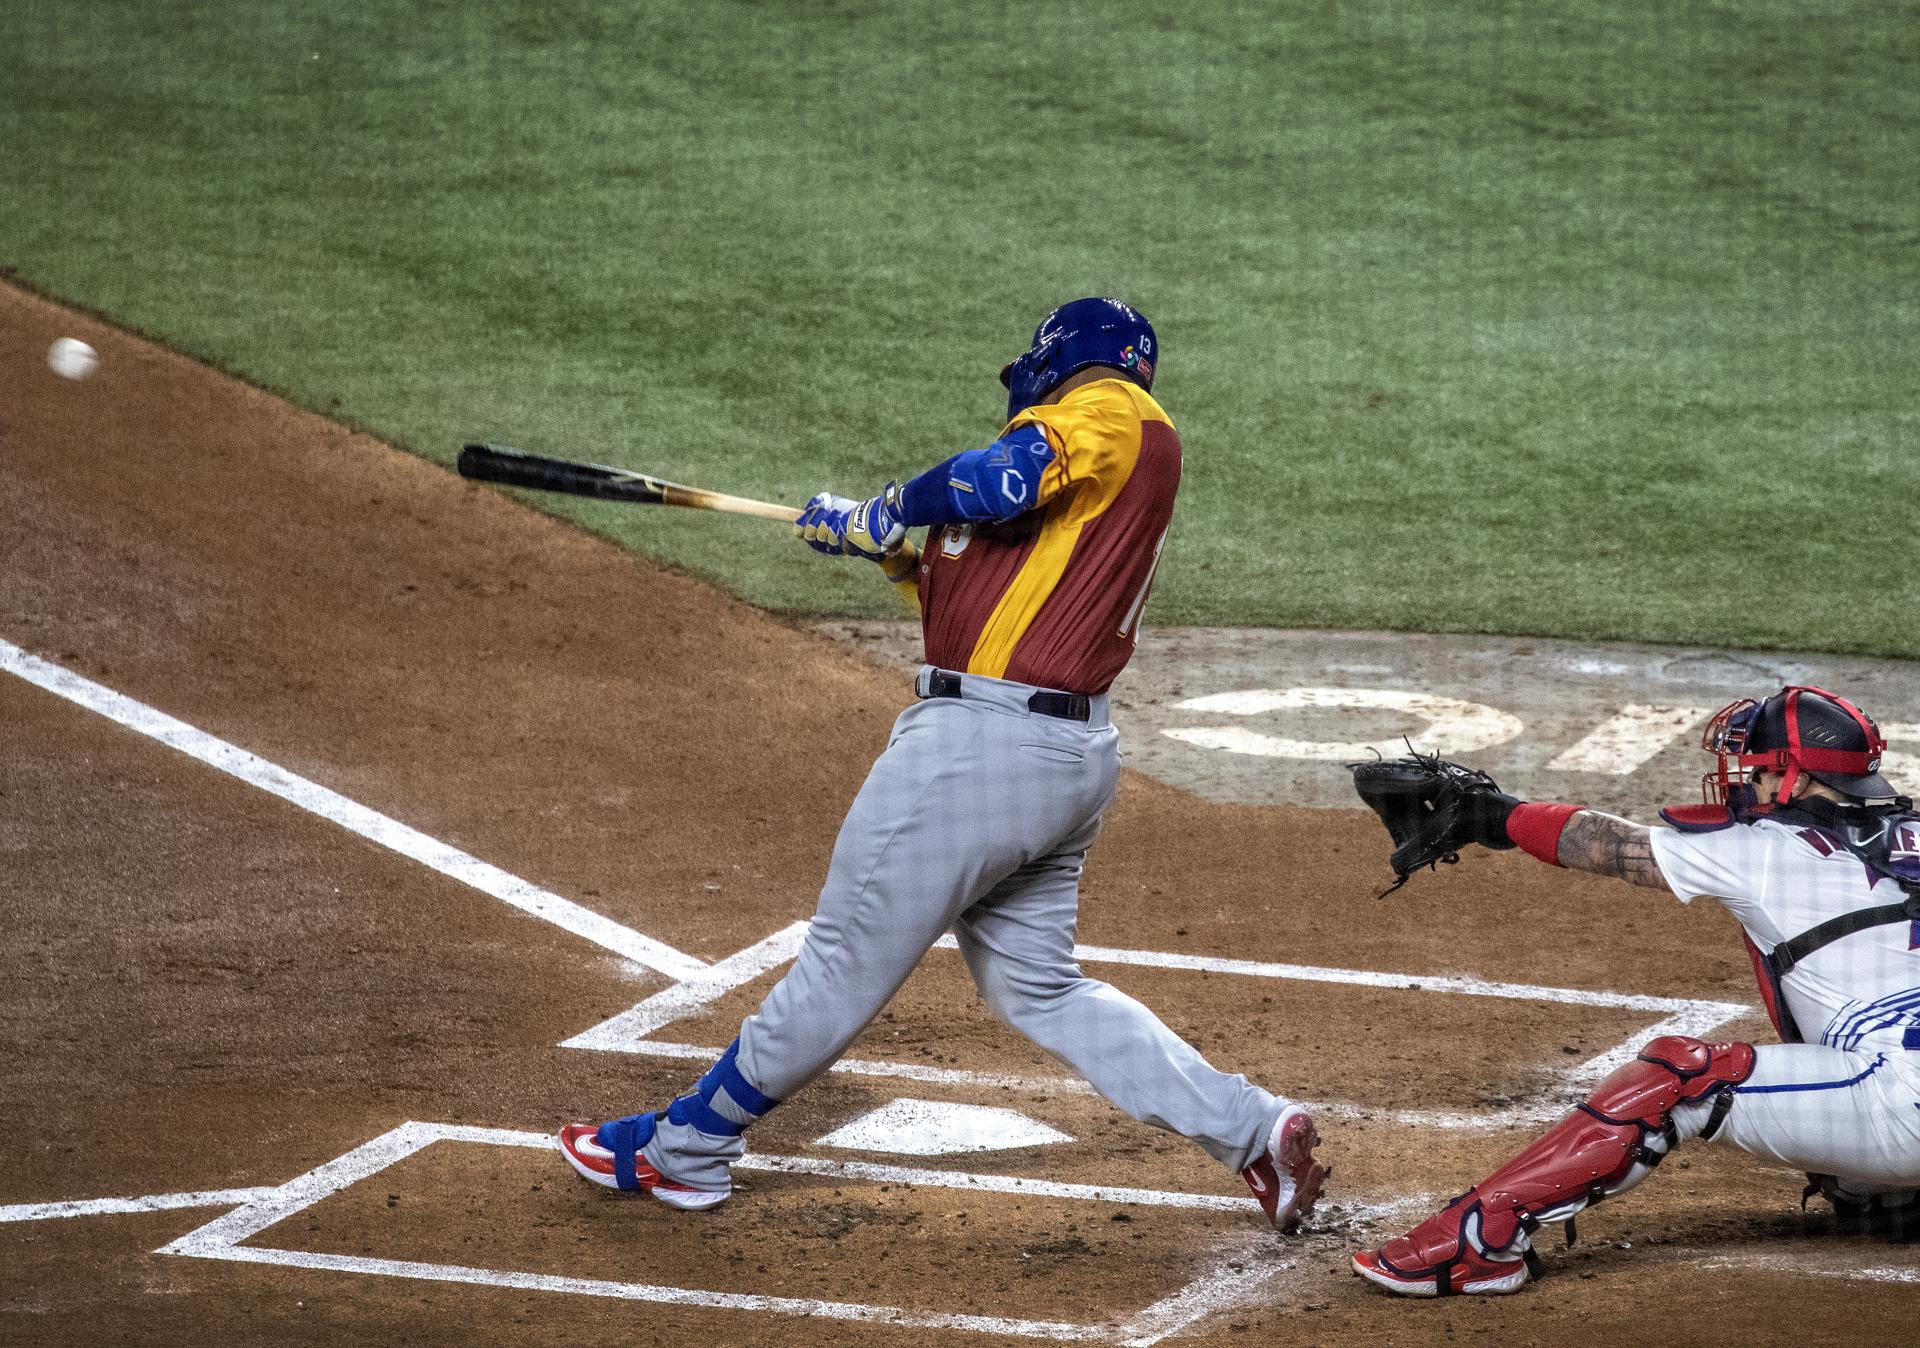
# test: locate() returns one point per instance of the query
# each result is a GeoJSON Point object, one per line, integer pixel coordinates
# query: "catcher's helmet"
{"type": "Point", "coordinates": [1074, 336]}
{"type": "Point", "coordinates": [1799, 729]}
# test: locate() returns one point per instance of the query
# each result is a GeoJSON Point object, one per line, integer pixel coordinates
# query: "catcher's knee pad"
{"type": "Point", "coordinates": [1609, 1143]}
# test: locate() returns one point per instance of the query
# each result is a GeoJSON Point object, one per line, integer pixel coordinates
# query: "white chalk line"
{"type": "Point", "coordinates": [628, 1031]}
{"type": "Point", "coordinates": [695, 993]}
{"type": "Point", "coordinates": [1017, 1185]}
{"type": "Point", "coordinates": [96, 1207]}
{"type": "Point", "coordinates": [1441, 1119]}
{"type": "Point", "coordinates": [1233, 1280]}
{"type": "Point", "coordinates": [1773, 1262]}
{"type": "Point", "coordinates": [1222, 1285]}
{"type": "Point", "coordinates": [1462, 984]}
{"type": "Point", "coordinates": [1454, 727]}
{"type": "Point", "coordinates": [803, 1307]}
{"type": "Point", "coordinates": [1447, 1120]}
{"type": "Point", "coordinates": [1629, 740]}
{"type": "Point", "coordinates": [350, 815]}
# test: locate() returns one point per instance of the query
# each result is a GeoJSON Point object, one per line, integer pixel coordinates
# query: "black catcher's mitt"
{"type": "Point", "coordinates": [1432, 808]}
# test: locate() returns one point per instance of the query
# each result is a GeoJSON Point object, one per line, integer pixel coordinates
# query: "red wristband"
{"type": "Point", "coordinates": [1536, 828]}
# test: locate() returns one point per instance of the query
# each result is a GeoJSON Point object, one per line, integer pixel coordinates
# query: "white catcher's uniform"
{"type": "Point", "coordinates": [1846, 1102]}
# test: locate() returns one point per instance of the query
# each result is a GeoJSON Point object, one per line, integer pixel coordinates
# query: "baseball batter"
{"type": "Point", "coordinates": [1806, 844]}
{"type": "Point", "coordinates": [978, 816]}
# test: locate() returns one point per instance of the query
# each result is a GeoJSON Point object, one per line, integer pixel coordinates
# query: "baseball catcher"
{"type": "Point", "coordinates": [978, 816]}
{"type": "Point", "coordinates": [1808, 846]}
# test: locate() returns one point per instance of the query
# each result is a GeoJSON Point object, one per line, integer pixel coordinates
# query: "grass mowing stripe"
{"type": "Point", "coordinates": [1597, 322]}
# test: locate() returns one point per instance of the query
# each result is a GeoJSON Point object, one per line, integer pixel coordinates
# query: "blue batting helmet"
{"type": "Point", "coordinates": [1074, 336]}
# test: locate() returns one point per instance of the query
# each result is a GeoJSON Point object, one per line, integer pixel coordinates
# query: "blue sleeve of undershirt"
{"type": "Point", "coordinates": [995, 483]}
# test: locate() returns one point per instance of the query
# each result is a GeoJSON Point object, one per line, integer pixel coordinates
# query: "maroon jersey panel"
{"type": "Point", "coordinates": [967, 567]}
{"type": "Point", "coordinates": [1084, 634]}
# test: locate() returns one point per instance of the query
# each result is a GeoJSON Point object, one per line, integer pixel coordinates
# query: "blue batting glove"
{"type": "Point", "coordinates": [823, 523]}
{"type": "Point", "coordinates": [875, 528]}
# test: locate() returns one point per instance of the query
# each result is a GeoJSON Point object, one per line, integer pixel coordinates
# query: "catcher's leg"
{"type": "Point", "coordinates": [1832, 1111]}
{"type": "Point", "coordinates": [1850, 1118]}
{"type": "Point", "coordinates": [1677, 1088]}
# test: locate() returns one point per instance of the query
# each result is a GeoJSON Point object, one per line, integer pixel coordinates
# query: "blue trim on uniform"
{"type": "Point", "coordinates": [1877, 1015]}
{"type": "Point", "coordinates": [696, 1108]}
{"type": "Point", "coordinates": [995, 483]}
{"type": "Point", "coordinates": [690, 1111]}
{"type": "Point", "coordinates": [727, 1076]}
{"type": "Point", "coordinates": [924, 499]}
{"type": "Point", "coordinates": [624, 1138]}
{"type": "Point", "coordinates": [1872, 1067]}
{"type": "Point", "coordinates": [1888, 1011]}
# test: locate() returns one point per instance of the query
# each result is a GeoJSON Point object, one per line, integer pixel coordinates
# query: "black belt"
{"type": "Point", "coordinates": [1066, 706]}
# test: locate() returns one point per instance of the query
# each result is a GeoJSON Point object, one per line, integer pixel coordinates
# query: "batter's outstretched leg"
{"type": "Point", "coordinates": [1481, 1243]}
{"type": "Point", "coordinates": [1018, 944]}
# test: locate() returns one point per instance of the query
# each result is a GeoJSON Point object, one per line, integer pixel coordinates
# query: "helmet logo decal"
{"type": "Point", "coordinates": [1135, 358]}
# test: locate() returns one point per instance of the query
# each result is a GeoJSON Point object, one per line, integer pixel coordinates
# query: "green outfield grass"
{"type": "Point", "coordinates": [1596, 319]}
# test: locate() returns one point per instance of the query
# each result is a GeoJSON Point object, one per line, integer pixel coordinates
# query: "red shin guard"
{"type": "Point", "coordinates": [1604, 1147]}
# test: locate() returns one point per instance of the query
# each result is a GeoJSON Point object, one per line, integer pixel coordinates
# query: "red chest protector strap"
{"type": "Point", "coordinates": [1771, 996]}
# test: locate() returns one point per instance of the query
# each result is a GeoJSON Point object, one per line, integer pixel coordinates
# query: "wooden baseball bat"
{"type": "Point", "coordinates": [517, 468]}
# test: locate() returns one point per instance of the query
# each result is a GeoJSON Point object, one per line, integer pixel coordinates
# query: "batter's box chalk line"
{"type": "Point", "coordinates": [1252, 1271]}
{"type": "Point", "coordinates": [356, 818]}
{"type": "Point", "coordinates": [631, 1031]}
{"type": "Point", "coordinates": [1243, 1274]}
{"type": "Point", "coordinates": [698, 984]}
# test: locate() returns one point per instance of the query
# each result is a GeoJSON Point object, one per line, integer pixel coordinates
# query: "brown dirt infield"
{"type": "Point", "coordinates": [211, 989]}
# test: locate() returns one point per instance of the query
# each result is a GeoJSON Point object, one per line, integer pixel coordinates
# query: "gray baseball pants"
{"type": "Point", "coordinates": [977, 817]}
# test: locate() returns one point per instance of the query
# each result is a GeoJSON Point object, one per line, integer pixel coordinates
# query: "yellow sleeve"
{"type": "Point", "coordinates": [1095, 434]}
{"type": "Point", "coordinates": [902, 568]}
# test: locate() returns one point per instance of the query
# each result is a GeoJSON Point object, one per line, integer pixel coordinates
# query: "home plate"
{"type": "Point", "coordinates": [933, 1128]}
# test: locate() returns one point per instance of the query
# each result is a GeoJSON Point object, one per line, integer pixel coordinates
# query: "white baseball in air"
{"type": "Point", "coordinates": [72, 358]}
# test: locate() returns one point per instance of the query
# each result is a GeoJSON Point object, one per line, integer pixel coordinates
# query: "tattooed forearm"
{"type": "Point", "coordinates": [1607, 845]}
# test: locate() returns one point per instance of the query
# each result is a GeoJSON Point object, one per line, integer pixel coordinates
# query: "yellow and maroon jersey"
{"type": "Point", "coordinates": [1053, 597]}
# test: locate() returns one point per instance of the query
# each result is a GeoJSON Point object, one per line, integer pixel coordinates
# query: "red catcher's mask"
{"type": "Point", "coordinates": [1800, 729]}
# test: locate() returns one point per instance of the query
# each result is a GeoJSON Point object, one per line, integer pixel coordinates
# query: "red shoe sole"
{"type": "Point", "coordinates": [599, 1170]}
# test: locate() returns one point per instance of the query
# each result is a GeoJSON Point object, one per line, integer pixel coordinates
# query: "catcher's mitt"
{"type": "Point", "coordinates": [1432, 808]}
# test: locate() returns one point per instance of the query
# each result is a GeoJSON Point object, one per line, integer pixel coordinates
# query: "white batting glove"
{"type": "Point", "coordinates": [875, 528]}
